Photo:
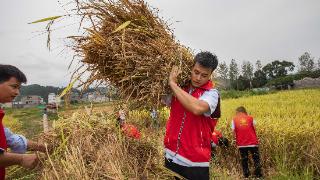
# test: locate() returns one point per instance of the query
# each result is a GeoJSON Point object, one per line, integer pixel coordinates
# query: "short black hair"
{"type": "Point", "coordinates": [241, 109]}
{"type": "Point", "coordinates": [207, 60]}
{"type": "Point", "coordinates": [9, 71]}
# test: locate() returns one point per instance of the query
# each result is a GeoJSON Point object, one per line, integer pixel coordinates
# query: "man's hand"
{"type": "Point", "coordinates": [29, 161]}
{"type": "Point", "coordinates": [174, 75]}
{"type": "Point", "coordinates": [192, 104]}
{"type": "Point", "coordinates": [34, 146]}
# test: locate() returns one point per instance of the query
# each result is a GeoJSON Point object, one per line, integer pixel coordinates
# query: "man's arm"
{"type": "Point", "coordinates": [19, 144]}
{"type": "Point", "coordinates": [25, 160]}
{"type": "Point", "coordinates": [192, 104]}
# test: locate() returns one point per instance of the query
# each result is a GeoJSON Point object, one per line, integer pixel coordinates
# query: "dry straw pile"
{"type": "Point", "coordinates": [129, 46]}
{"type": "Point", "coordinates": [91, 147]}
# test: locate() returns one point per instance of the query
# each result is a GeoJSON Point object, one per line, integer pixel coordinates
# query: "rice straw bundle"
{"type": "Point", "coordinates": [129, 46]}
{"type": "Point", "coordinates": [92, 147]}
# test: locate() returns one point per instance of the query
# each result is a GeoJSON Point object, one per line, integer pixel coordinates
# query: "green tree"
{"type": "Point", "coordinates": [259, 79]}
{"type": "Point", "coordinates": [247, 72]}
{"type": "Point", "coordinates": [258, 65]}
{"type": "Point", "coordinates": [306, 62]}
{"type": "Point", "coordinates": [233, 73]}
{"type": "Point", "coordinates": [223, 70]}
{"type": "Point", "coordinates": [243, 83]}
{"type": "Point", "coordinates": [277, 69]}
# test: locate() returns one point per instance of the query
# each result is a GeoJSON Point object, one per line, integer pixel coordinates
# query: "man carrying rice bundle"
{"type": "Point", "coordinates": [193, 116]}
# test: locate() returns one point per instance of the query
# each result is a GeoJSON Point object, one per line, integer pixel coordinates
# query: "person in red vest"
{"type": "Point", "coordinates": [128, 130]}
{"type": "Point", "coordinates": [243, 126]}
{"type": "Point", "coordinates": [10, 83]}
{"type": "Point", "coordinates": [218, 140]}
{"type": "Point", "coordinates": [193, 116]}
{"type": "Point", "coordinates": [216, 136]}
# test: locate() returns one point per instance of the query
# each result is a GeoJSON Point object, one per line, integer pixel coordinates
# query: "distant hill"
{"type": "Point", "coordinates": [44, 91]}
{"type": "Point", "coordinates": [36, 89]}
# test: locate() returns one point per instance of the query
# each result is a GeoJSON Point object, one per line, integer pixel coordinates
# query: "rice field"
{"type": "Point", "coordinates": [89, 146]}
{"type": "Point", "coordinates": [288, 127]}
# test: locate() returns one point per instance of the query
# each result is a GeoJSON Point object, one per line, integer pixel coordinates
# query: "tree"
{"type": "Point", "coordinates": [318, 64]}
{"type": "Point", "coordinates": [233, 73]}
{"type": "Point", "coordinates": [223, 70]}
{"type": "Point", "coordinates": [259, 79]}
{"type": "Point", "coordinates": [223, 75]}
{"type": "Point", "coordinates": [306, 62]}
{"type": "Point", "coordinates": [277, 69]}
{"type": "Point", "coordinates": [243, 83]}
{"type": "Point", "coordinates": [247, 72]}
{"type": "Point", "coordinates": [258, 65]}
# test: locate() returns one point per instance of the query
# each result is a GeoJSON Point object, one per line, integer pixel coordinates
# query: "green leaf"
{"type": "Point", "coordinates": [45, 19]}
{"type": "Point", "coordinates": [68, 88]}
{"type": "Point", "coordinates": [122, 26]}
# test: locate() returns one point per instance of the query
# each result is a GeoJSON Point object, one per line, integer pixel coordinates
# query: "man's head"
{"type": "Point", "coordinates": [241, 109]}
{"type": "Point", "coordinates": [205, 64]}
{"type": "Point", "coordinates": [10, 82]}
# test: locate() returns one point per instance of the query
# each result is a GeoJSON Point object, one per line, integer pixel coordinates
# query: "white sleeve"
{"type": "Point", "coordinates": [232, 125]}
{"type": "Point", "coordinates": [211, 97]}
{"type": "Point", "coordinates": [254, 122]}
{"type": "Point", "coordinates": [16, 142]}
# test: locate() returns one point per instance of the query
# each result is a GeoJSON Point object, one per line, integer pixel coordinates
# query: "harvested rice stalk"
{"type": "Point", "coordinates": [130, 47]}
{"type": "Point", "coordinates": [91, 147]}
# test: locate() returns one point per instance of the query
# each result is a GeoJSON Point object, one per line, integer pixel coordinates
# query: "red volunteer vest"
{"type": "Point", "coordinates": [131, 131]}
{"type": "Point", "coordinates": [3, 143]}
{"type": "Point", "coordinates": [215, 137]}
{"type": "Point", "coordinates": [244, 130]}
{"type": "Point", "coordinates": [195, 138]}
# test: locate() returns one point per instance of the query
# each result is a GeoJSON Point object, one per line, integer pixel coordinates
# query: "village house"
{"type": "Point", "coordinates": [31, 101]}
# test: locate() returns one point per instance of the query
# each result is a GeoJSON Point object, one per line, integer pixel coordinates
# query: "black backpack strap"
{"type": "Point", "coordinates": [217, 112]}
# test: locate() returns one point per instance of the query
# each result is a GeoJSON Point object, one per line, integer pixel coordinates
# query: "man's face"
{"type": "Point", "coordinates": [9, 90]}
{"type": "Point", "coordinates": [200, 75]}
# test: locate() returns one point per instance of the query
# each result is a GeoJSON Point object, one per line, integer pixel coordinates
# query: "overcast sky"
{"type": "Point", "coordinates": [239, 29]}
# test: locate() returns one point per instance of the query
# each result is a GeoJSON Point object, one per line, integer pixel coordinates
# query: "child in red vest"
{"type": "Point", "coordinates": [10, 83]}
{"type": "Point", "coordinates": [243, 126]}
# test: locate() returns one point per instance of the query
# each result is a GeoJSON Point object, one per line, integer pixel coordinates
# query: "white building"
{"type": "Point", "coordinates": [54, 99]}
{"type": "Point", "coordinates": [31, 101]}
{"type": "Point", "coordinates": [96, 97]}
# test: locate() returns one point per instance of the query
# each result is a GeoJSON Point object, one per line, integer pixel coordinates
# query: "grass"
{"type": "Point", "coordinates": [235, 94]}
{"type": "Point", "coordinates": [30, 120]}
{"type": "Point", "coordinates": [27, 122]}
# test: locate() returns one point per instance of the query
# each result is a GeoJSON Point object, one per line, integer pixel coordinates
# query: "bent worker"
{"type": "Point", "coordinates": [218, 140]}
{"type": "Point", "coordinates": [10, 83]}
{"type": "Point", "coordinates": [129, 130]}
{"type": "Point", "coordinates": [243, 126]}
{"type": "Point", "coordinates": [193, 116]}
